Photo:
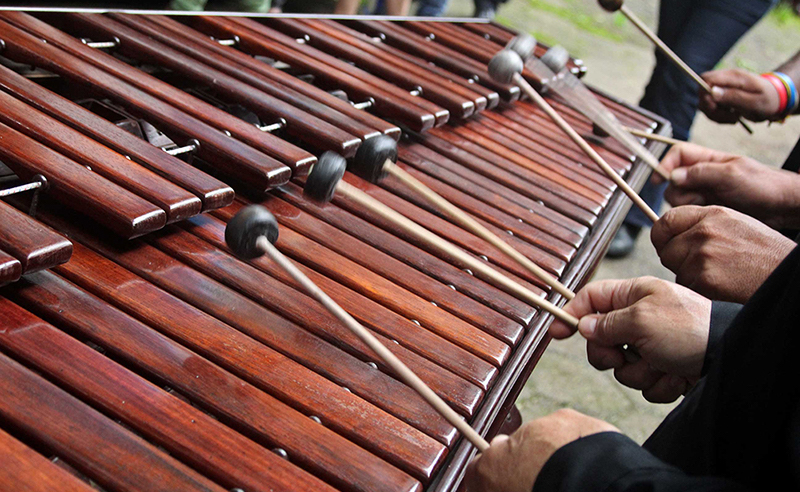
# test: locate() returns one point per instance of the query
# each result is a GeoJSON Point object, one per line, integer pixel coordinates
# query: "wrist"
{"type": "Point", "coordinates": [789, 208]}
{"type": "Point", "coordinates": [783, 92]}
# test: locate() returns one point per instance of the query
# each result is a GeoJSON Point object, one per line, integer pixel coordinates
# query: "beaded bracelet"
{"type": "Point", "coordinates": [783, 92]}
{"type": "Point", "coordinates": [792, 104]}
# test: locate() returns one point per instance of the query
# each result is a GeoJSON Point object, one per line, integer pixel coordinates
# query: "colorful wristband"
{"type": "Point", "coordinates": [783, 92]}
{"type": "Point", "coordinates": [791, 105]}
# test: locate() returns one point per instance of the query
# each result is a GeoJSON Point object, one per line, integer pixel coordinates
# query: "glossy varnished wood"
{"type": "Point", "coordinates": [212, 192]}
{"type": "Point", "coordinates": [230, 155]}
{"type": "Point", "coordinates": [381, 263]}
{"type": "Point", "coordinates": [10, 268]}
{"type": "Point", "coordinates": [411, 255]}
{"type": "Point", "coordinates": [177, 203]}
{"type": "Point", "coordinates": [144, 47]}
{"type": "Point", "coordinates": [187, 433]}
{"type": "Point", "coordinates": [73, 184]}
{"type": "Point", "coordinates": [114, 457]}
{"type": "Point", "coordinates": [442, 338]}
{"type": "Point", "coordinates": [289, 338]}
{"type": "Point", "coordinates": [25, 469]}
{"type": "Point", "coordinates": [254, 42]}
{"type": "Point", "coordinates": [36, 246]}
{"type": "Point", "coordinates": [313, 447]}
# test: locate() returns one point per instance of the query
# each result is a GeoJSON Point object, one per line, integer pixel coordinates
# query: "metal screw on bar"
{"type": "Point", "coordinates": [234, 41]}
{"type": "Point", "coordinates": [370, 102]}
{"type": "Point", "coordinates": [38, 184]}
{"type": "Point", "coordinates": [416, 91]}
{"type": "Point", "coordinates": [190, 148]}
{"type": "Point", "coordinates": [101, 44]}
{"type": "Point", "coordinates": [273, 127]}
{"type": "Point", "coordinates": [2, 45]}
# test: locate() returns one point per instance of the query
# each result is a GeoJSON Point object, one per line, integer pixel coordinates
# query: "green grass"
{"type": "Point", "coordinates": [581, 20]}
{"type": "Point", "coordinates": [784, 16]}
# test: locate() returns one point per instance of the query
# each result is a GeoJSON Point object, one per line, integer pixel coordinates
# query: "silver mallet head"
{"type": "Point", "coordinates": [556, 58]}
{"type": "Point", "coordinates": [523, 45]}
{"type": "Point", "coordinates": [504, 65]}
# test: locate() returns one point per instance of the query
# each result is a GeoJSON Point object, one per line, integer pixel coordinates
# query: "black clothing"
{"type": "Point", "coordinates": [738, 429]}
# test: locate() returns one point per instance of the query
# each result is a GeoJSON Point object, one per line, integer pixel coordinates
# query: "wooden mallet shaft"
{"type": "Point", "coordinates": [575, 137]}
{"type": "Point", "coordinates": [406, 375]}
{"type": "Point", "coordinates": [670, 54]}
{"type": "Point", "coordinates": [447, 249]}
{"type": "Point", "coordinates": [475, 227]}
{"type": "Point", "coordinates": [652, 136]}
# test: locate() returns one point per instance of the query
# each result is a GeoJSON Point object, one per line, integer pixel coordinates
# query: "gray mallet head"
{"type": "Point", "coordinates": [244, 229]}
{"type": "Point", "coordinates": [504, 65]}
{"type": "Point", "coordinates": [599, 131]}
{"type": "Point", "coordinates": [323, 178]}
{"type": "Point", "coordinates": [611, 5]}
{"type": "Point", "coordinates": [523, 45]}
{"type": "Point", "coordinates": [370, 160]}
{"type": "Point", "coordinates": [556, 58]}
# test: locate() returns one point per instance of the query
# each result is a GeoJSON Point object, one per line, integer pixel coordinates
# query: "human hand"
{"type": "Point", "coordinates": [702, 176]}
{"type": "Point", "coordinates": [666, 323]}
{"type": "Point", "coordinates": [718, 252]}
{"type": "Point", "coordinates": [512, 463]}
{"type": "Point", "coordinates": [736, 93]}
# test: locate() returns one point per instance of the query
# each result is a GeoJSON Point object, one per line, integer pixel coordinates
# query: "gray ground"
{"type": "Point", "coordinates": [620, 60]}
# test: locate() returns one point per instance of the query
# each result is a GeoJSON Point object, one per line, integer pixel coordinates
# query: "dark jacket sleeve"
{"type": "Point", "coordinates": [611, 462]}
{"type": "Point", "coordinates": [722, 316]}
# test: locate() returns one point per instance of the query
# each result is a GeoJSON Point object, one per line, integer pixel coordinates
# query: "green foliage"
{"type": "Point", "coordinates": [784, 16]}
{"type": "Point", "coordinates": [579, 19]}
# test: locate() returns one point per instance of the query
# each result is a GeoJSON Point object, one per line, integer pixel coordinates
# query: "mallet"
{"type": "Point", "coordinates": [506, 67]}
{"type": "Point", "coordinates": [253, 231]}
{"type": "Point", "coordinates": [377, 157]}
{"type": "Point", "coordinates": [325, 180]}
{"type": "Point", "coordinates": [614, 5]}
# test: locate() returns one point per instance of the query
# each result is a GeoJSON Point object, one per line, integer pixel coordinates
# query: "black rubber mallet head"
{"type": "Point", "coordinates": [324, 176]}
{"type": "Point", "coordinates": [611, 5]}
{"type": "Point", "coordinates": [504, 65]}
{"type": "Point", "coordinates": [523, 45]}
{"type": "Point", "coordinates": [599, 131]}
{"type": "Point", "coordinates": [370, 160]}
{"type": "Point", "coordinates": [246, 227]}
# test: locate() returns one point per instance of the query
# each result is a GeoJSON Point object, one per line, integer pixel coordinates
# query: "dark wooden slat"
{"type": "Point", "coordinates": [496, 219]}
{"type": "Point", "coordinates": [442, 56]}
{"type": "Point", "coordinates": [381, 263]}
{"type": "Point", "coordinates": [212, 192]}
{"type": "Point", "coordinates": [10, 268]}
{"type": "Point", "coordinates": [229, 155]}
{"type": "Point", "coordinates": [406, 75]}
{"type": "Point", "coordinates": [257, 363]}
{"type": "Point", "coordinates": [177, 203]}
{"type": "Point", "coordinates": [488, 192]}
{"type": "Point", "coordinates": [313, 447]}
{"type": "Point", "coordinates": [185, 432]}
{"type": "Point", "coordinates": [72, 184]}
{"type": "Point", "coordinates": [411, 255]}
{"type": "Point", "coordinates": [300, 124]}
{"type": "Point", "coordinates": [472, 244]}
{"type": "Point", "coordinates": [114, 457]}
{"type": "Point", "coordinates": [449, 147]}
{"type": "Point", "coordinates": [36, 246]}
{"type": "Point", "coordinates": [253, 42]}
{"type": "Point", "coordinates": [334, 362]}
{"type": "Point", "coordinates": [277, 76]}
{"type": "Point", "coordinates": [444, 339]}
{"type": "Point", "coordinates": [25, 469]}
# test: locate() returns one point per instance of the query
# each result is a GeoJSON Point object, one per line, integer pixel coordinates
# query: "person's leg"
{"type": "Point", "coordinates": [431, 8]}
{"type": "Point", "coordinates": [705, 32]}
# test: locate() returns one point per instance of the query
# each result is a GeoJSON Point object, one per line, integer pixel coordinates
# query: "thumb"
{"type": "Point", "coordinates": [607, 329]}
{"type": "Point", "coordinates": [701, 175]}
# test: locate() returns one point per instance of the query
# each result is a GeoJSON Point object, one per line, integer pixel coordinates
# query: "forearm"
{"type": "Point", "coordinates": [611, 462]}
{"type": "Point", "coordinates": [791, 67]}
{"type": "Point", "coordinates": [790, 201]}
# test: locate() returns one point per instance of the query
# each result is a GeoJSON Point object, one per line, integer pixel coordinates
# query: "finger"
{"type": "Point", "coordinates": [666, 390]}
{"type": "Point", "coordinates": [603, 358]}
{"type": "Point", "coordinates": [700, 176]}
{"type": "Point", "coordinates": [732, 78]}
{"type": "Point", "coordinates": [678, 197]}
{"type": "Point", "coordinates": [686, 154]}
{"type": "Point", "coordinates": [638, 375]}
{"type": "Point", "coordinates": [675, 222]}
{"type": "Point", "coordinates": [738, 99]}
{"type": "Point", "coordinates": [676, 253]}
{"type": "Point", "coordinates": [594, 297]}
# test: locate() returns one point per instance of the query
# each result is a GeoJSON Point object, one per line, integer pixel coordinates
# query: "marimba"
{"type": "Point", "coordinates": [154, 360]}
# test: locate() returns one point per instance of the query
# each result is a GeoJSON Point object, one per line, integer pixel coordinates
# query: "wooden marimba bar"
{"type": "Point", "coordinates": [155, 360]}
